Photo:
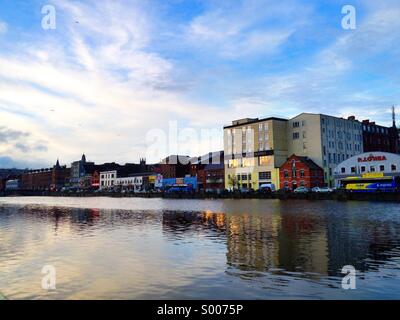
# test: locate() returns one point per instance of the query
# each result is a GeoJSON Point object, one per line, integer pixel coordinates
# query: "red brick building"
{"type": "Point", "coordinates": [45, 179]}
{"type": "Point", "coordinates": [209, 170]}
{"type": "Point", "coordinates": [300, 171]}
{"type": "Point", "coordinates": [380, 138]}
{"type": "Point", "coordinates": [215, 177]}
{"type": "Point", "coordinates": [174, 166]}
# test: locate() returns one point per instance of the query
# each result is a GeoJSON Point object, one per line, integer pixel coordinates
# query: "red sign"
{"type": "Point", "coordinates": [372, 158]}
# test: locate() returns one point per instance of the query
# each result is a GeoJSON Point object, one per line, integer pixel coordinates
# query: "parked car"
{"type": "Point", "coordinates": [267, 187]}
{"type": "Point", "coordinates": [301, 190]}
{"type": "Point", "coordinates": [321, 189]}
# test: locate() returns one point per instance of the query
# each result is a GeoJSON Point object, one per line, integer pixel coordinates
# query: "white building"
{"type": "Point", "coordinates": [107, 179]}
{"type": "Point", "coordinates": [384, 163]}
{"type": "Point", "coordinates": [132, 183]}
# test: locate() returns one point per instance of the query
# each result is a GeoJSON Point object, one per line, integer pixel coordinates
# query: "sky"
{"type": "Point", "coordinates": [122, 80]}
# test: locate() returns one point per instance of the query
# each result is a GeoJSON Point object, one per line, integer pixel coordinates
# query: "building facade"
{"type": "Point", "coordinates": [174, 166]}
{"type": "Point", "coordinates": [380, 138]}
{"type": "Point", "coordinates": [45, 179]}
{"type": "Point", "coordinates": [384, 163]}
{"type": "Point", "coordinates": [214, 175]}
{"type": "Point", "coordinates": [300, 172]}
{"type": "Point", "coordinates": [78, 170]}
{"type": "Point", "coordinates": [254, 149]}
{"type": "Point", "coordinates": [324, 139]}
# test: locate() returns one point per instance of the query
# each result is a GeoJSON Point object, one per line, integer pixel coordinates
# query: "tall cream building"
{"type": "Point", "coordinates": [324, 139]}
{"type": "Point", "coordinates": [254, 151]}
{"type": "Point", "coordinates": [256, 148]}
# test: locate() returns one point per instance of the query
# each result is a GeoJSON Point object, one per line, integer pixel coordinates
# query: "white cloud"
{"type": "Point", "coordinates": [98, 84]}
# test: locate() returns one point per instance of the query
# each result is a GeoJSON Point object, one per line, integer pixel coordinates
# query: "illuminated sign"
{"type": "Point", "coordinates": [371, 158]}
{"type": "Point", "coordinates": [373, 175]}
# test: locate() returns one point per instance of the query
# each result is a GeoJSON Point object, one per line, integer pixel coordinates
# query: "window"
{"type": "Point", "coordinates": [381, 168]}
{"type": "Point", "coordinates": [353, 170]}
{"type": "Point", "coordinates": [286, 174]}
{"type": "Point", "coordinates": [296, 124]}
{"type": "Point", "coordinates": [303, 123]}
{"type": "Point", "coordinates": [238, 177]}
{"type": "Point", "coordinates": [304, 135]}
{"type": "Point", "coordinates": [249, 176]}
{"type": "Point", "coordinates": [302, 183]}
{"type": "Point", "coordinates": [264, 160]}
{"type": "Point", "coordinates": [296, 135]}
{"type": "Point", "coordinates": [343, 170]}
{"type": "Point", "coordinates": [372, 168]}
{"type": "Point", "coordinates": [393, 167]}
{"type": "Point", "coordinates": [264, 175]}
{"type": "Point", "coordinates": [244, 176]}
{"type": "Point", "coordinates": [363, 168]}
{"type": "Point", "coordinates": [301, 173]}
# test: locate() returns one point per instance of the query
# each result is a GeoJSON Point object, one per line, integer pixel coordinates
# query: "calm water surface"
{"type": "Point", "coordinates": [132, 248]}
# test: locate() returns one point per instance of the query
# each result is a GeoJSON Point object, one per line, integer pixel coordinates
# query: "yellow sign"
{"type": "Point", "coordinates": [373, 175]}
{"type": "Point", "coordinates": [152, 179]}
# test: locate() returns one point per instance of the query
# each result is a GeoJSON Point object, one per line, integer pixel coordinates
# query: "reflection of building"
{"type": "Point", "coordinates": [252, 241]}
{"type": "Point", "coordinates": [254, 150]}
{"type": "Point", "coordinates": [302, 242]}
{"type": "Point", "coordinates": [300, 171]}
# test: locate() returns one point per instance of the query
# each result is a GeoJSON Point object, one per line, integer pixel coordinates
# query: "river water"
{"type": "Point", "coordinates": [134, 248]}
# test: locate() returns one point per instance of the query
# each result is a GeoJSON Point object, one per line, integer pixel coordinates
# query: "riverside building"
{"type": "Point", "coordinates": [254, 150]}
{"type": "Point", "coordinates": [324, 139]}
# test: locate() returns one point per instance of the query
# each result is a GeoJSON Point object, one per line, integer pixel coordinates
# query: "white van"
{"type": "Point", "coordinates": [267, 187]}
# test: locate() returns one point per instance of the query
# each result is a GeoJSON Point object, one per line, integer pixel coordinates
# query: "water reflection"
{"type": "Point", "coordinates": [285, 241]}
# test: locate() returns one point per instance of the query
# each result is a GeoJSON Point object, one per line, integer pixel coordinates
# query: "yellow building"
{"type": "Point", "coordinates": [254, 150]}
